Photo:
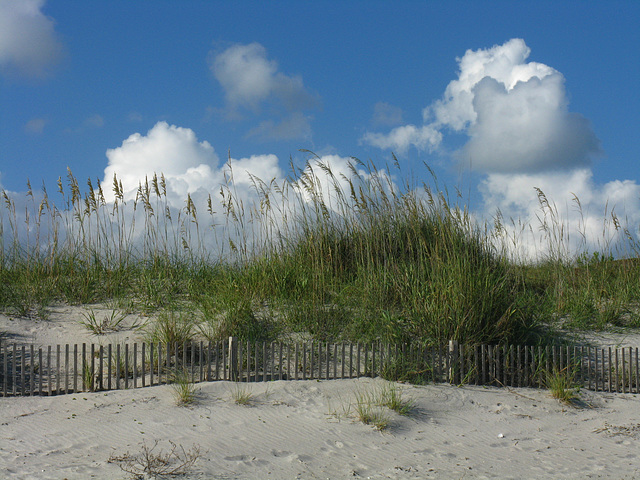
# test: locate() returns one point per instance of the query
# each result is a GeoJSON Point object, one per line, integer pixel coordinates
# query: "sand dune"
{"type": "Point", "coordinates": [309, 429]}
{"type": "Point", "coordinates": [304, 430]}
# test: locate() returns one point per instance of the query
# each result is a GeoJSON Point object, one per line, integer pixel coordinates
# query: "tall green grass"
{"type": "Point", "coordinates": [330, 256]}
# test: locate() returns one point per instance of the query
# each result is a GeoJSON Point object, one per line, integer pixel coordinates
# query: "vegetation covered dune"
{"type": "Point", "coordinates": [354, 258]}
{"type": "Point", "coordinates": [320, 257]}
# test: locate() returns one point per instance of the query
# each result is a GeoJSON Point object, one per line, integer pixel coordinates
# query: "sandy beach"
{"type": "Point", "coordinates": [303, 430]}
{"type": "Point", "coordinates": [309, 429]}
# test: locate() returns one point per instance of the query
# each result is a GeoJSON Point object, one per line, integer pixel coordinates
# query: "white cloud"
{"type": "Point", "coordinates": [173, 151]}
{"type": "Point", "coordinates": [527, 128]}
{"type": "Point", "coordinates": [255, 188]}
{"type": "Point", "coordinates": [250, 80]}
{"type": "Point", "coordinates": [28, 41]}
{"type": "Point", "coordinates": [401, 138]}
{"type": "Point", "coordinates": [515, 113]}
{"type": "Point", "coordinates": [504, 63]}
{"type": "Point", "coordinates": [190, 166]}
{"type": "Point", "coordinates": [245, 74]}
{"type": "Point", "coordinates": [522, 136]}
{"type": "Point", "coordinates": [580, 214]}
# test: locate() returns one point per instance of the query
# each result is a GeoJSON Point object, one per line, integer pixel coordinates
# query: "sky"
{"type": "Point", "coordinates": [498, 98]}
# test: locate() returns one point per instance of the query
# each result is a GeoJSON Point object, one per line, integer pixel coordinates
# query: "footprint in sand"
{"type": "Point", "coordinates": [280, 453]}
{"type": "Point", "coordinates": [247, 460]}
{"type": "Point", "coordinates": [426, 451]}
{"type": "Point", "coordinates": [335, 443]}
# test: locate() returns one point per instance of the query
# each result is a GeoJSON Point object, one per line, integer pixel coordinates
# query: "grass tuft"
{"type": "Point", "coordinates": [562, 385]}
{"type": "Point", "coordinates": [241, 394]}
{"type": "Point", "coordinates": [392, 396]}
{"type": "Point", "coordinates": [369, 411]}
{"type": "Point", "coordinates": [184, 391]}
{"type": "Point", "coordinates": [108, 323]}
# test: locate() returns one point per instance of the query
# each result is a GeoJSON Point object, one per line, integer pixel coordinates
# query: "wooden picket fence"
{"type": "Point", "coordinates": [27, 370]}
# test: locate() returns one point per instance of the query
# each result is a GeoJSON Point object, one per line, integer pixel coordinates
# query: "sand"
{"type": "Point", "coordinates": [309, 429]}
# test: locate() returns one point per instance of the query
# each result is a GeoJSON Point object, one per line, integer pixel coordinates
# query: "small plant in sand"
{"type": "Point", "coordinates": [392, 396]}
{"type": "Point", "coordinates": [151, 464]}
{"type": "Point", "coordinates": [171, 328]}
{"type": "Point", "coordinates": [184, 391]}
{"type": "Point", "coordinates": [88, 376]}
{"type": "Point", "coordinates": [369, 410]}
{"type": "Point", "coordinates": [100, 326]}
{"type": "Point", "coordinates": [562, 385]}
{"type": "Point", "coordinates": [241, 394]}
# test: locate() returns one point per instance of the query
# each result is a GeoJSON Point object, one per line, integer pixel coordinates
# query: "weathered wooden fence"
{"type": "Point", "coordinates": [27, 370]}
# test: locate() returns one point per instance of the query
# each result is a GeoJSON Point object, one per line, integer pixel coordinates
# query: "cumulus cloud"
{"type": "Point", "coordinates": [515, 113]}
{"type": "Point", "coordinates": [251, 80]}
{"type": "Point", "coordinates": [29, 44]}
{"type": "Point", "coordinates": [504, 63]}
{"type": "Point", "coordinates": [190, 166]}
{"type": "Point", "coordinates": [574, 214]}
{"type": "Point", "coordinates": [524, 140]}
{"type": "Point", "coordinates": [173, 151]}
{"type": "Point", "coordinates": [255, 187]}
{"type": "Point", "coordinates": [401, 138]}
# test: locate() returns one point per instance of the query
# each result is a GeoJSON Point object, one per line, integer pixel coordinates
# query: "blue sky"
{"type": "Point", "coordinates": [498, 97]}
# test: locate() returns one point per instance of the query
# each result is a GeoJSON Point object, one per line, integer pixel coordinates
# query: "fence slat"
{"type": "Point", "coordinates": [304, 361]}
{"type": "Point", "coordinates": [66, 368]}
{"type": "Point", "coordinates": [328, 359]}
{"type": "Point", "coordinates": [40, 374]}
{"type": "Point", "coordinates": [610, 372]}
{"type": "Point", "coordinates": [135, 365]}
{"type": "Point", "coordinates": [4, 350]}
{"type": "Point", "coordinates": [23, 374]}
{"type": "Point", "coordinates": [31, 370]}
{"type": "Point", "coordinates": [248, 361]}
{"type": "Point", "coordinates": [637, 372]}
{"type": "Point", "coordinates": [75, 367]}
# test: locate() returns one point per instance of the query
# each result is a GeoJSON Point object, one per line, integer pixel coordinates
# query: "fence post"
{"type": "Point", "coordinates": [233, 359]}
{"type": "Point", "coordinates": [452, 360]}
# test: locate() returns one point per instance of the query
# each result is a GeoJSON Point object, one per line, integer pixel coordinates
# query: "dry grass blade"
{"type": "Point", "coordinates": [149, 463]}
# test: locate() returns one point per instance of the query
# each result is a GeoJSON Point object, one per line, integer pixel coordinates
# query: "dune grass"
{"type": "Point", "coordinates": [242, 394]}
{"type": "Point", "coordinates": [562, 385]}
{"type": "Point", "coordinates": [183, 389]}
{"type": "Point", "coordinates": [370, 261]}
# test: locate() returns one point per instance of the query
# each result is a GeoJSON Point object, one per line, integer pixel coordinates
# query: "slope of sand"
{"type": "Point", "coordinates": [304, 430]}
{"type": "Point", "coordinates": [309, 430]}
